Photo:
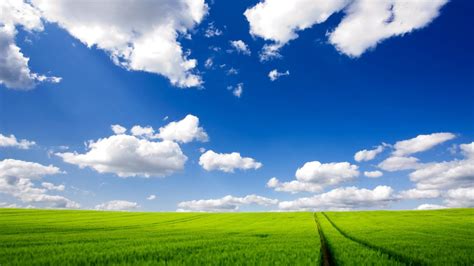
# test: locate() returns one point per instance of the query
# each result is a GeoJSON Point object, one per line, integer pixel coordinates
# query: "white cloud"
{"type": "Point", "coordinates": [419, 194]}
{"type": "Point", "coordinates": [139, 36]}
{"type": "Point", "coordinates": [279, 21]}
{"type": "Point", "coordinates": [327, 173]}
{"type": "Point", "coordinates": [450, 174]}
{"type": "Point", "coordinates": [430, 207]}
{"type": "Point", "coordinates": [227, 162]}
{"type": "Point", "coordinates": [241, 47]}
{"type": "Point", "coordinates": [294, 186]}
{"type": "Point", "coordinates": [237, 90]}
{"type": "Point", "coordinates": [184, 131]}
{"type": "Point", "coordinates": [274, 74]}
{"type": "Point", "coordinates": [11, 141]}
{"type": "Point", "coordinates": [117, 205]}
{"type": "Point", "coordinates": [14, 70]}
{"type": "Point", "coordinates": [209, 63]}
{"type": "Point", "coordinates": [118, 129]}
{"type": "Point", "coordinates": [367, 155]}
{"type": "Point", "coordinates": [51, 186]}
{"type": "Point", "coordinates": [367, 23]}
{"type": "Point", "coordinates": [225, 204]}
{"type": "Point", "coordinates": [373, 174]}
{"type": "Point", "coordinates": [420, 143]}
{"type": "Point", "coordinates": [343, 199]}
{"type": "Point", "coordinates": [396, 163]}
{"type": "Point", "coordinates": [460, 197]}
{"type": "Point", "coordinates": [364, 25]}
{"type": "Point", "coordinates": [151, 197]}
{"type": "Point", "coordinates": [140, 131]}
{"type": "Point", "coordinates": [212, 31]}
{"type": "Point", "coordinates": [128, 156]}
{"type": "Point", "coordinates": [16, 180]}
{"type": "Point", "coordinates": [232, 71]}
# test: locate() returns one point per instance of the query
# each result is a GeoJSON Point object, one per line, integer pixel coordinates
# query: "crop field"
{"type": "Point", "coordinates": [53, 237]}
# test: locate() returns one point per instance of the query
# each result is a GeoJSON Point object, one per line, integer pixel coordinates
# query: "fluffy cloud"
{"type": "Point", "coordinates": [455, 173]}
{"type": "Point", "coordinates": [373, 174]}
{"type": "Point", "coordinates": [279, 21]}
{"type": "Point", "coordinates": [396, 163]}
{"type": "Point", "coordinates": [225, 204]}
{"type": "Point", "coordinates": [151, 197]}
{"type": "Point", "coordinates": [12, 141]}
{"type": "Point", "coordinates": [118, 129]}
{"type": "Point", "coordinates": [241, 47]}
{"type": "Point", "coordinates": [343, 199]}
{"type": "Point", "coordinates": [139, 36]}
{"type": "Point", "coordinates": [142, 131]}
{"type": "Point", "coordinates": [227, 162]}
{"type": "Point", "coordinates": [419, 194]}
{"type": "Point", "coordinates": [294, 186]}
{"type": "Point", "coordinates": [364, 25]}
{"type": "Point", "coordinates": [51, 186]}
{"type": "Point", "coordinates": [420, 143]}
{"type": "Point", "coordinates": [367, 155]}
{"type": "Point", "coordinates": [184, 131]}
{"type": "Point", "coordinates": [14, 70]}
{"type": "Point", "coordinates": [16, 180]}
{"type": "Point", "coordinates": [327, 173]}
{"type": "Point", "coordinates": [430, 207]}
{"type": "Point", "coordinates": [117, 205]}
{"type": "Point", "coordinates": [128, 156]}
{"type": "Point", "coordinates": [237, 90]}
{"type": "Point", "coordinates": [274, 74]}
{"type": "Point", "coordinates": [460, 197]}
{"type": "Point", "coordinates": [212, 31]}
{"type": "Point", "coordinates": [368, 23]}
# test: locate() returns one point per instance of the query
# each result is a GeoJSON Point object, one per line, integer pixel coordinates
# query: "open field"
{"type": "Point", "coordinates": [444, 237]}
{"type": "Point", "coordinates": [91, 237]}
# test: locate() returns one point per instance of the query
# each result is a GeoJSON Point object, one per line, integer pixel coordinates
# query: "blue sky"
{"type": "Point", "coordinates": [339, 97]}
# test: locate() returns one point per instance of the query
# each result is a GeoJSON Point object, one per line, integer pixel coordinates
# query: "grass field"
{"type": "Point", "coordinates": [39, 237]}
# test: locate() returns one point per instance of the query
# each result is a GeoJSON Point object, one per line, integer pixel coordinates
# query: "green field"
{"type": "Point", "coordinates": [39, 237]}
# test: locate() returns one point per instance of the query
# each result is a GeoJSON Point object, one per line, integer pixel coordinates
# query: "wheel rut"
{"type": "Point", "coordinates": [390, 254]}
{"type": "Point", "coordinates": [326, 258]}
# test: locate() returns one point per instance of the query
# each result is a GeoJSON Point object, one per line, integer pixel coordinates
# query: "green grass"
{"type": "Point", "coordinates": [347, 252]}
{"type": "Point", "coordinates": [88, 237]}
{"type": "Point", "coordinates": [442, 237]}
{"type": "Point", "coordinates": [53, 237]}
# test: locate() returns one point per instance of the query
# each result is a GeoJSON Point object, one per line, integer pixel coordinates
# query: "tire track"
{"type": "Point", "coordinates": [325, 253]}
{"type": "Point", "coordinates": [389, 253]}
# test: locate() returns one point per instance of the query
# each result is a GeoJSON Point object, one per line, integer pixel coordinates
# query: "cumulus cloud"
{"type": "Point", "coordinates": [293, 186]}
{"type": "Point", "coordinates": [448, 174]}
{"type": "Point", "coordinates": [226, 204]}
{"type": "Point", "coordinates": [367, 155]}
{"type": "Point", "coordinates": [396, 163]}
{"type": "Point", "coordinates": [460, 197]}
{"type": "Point", "coordinates": [140, 36]}
{"type": "Point", "coordinates": [343, 199]}
{"type": "Point", "coordinates": [129, 156]}
{"type": "Point", "coordinates": [151, 197]}
{"type": "Point", "coordinates": [237, 90]}
{"type": "Point", "coordinates": [51, 186]}
{"type": "Point", "coordinates": [274, 74]}
{"type": "Point", "coordinates": [419, 194]}
{"type": "Point", "coordinates": [373, 174]}
{"type": "Point", "coordinates": [117, 205]}
{"type": "Point", "coordinates": [227, 162]}
{"type": "Point", "coordinates": [118, 129]}
{"type": "Point", "coordinates": [12, 141]}
{"type": "Point", "coordinates": [16, 180]}
{"type": "Point", "coordinates": [430, 207]}
{"type": "Point", "coordinates": [14, 70]}
{"type": "Point", "coordinates": [212, 31]}
{"type": "Point", "coordinates": [367, 23]}
{"type": "Point", "coordinates": [327, 173]}
{"type": "Point", "coordinates": [364, 25]}
{"type": "Point", "coordinates": [420, 143]}
{"type": "Point", "coordinates": [142, 131]}
{"type": "Point", "coordinates": [279, 21]}
{"type": "Point", "coordinates": [241, 47]}
{"type": "Point", "coordinates": [184, 131]}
